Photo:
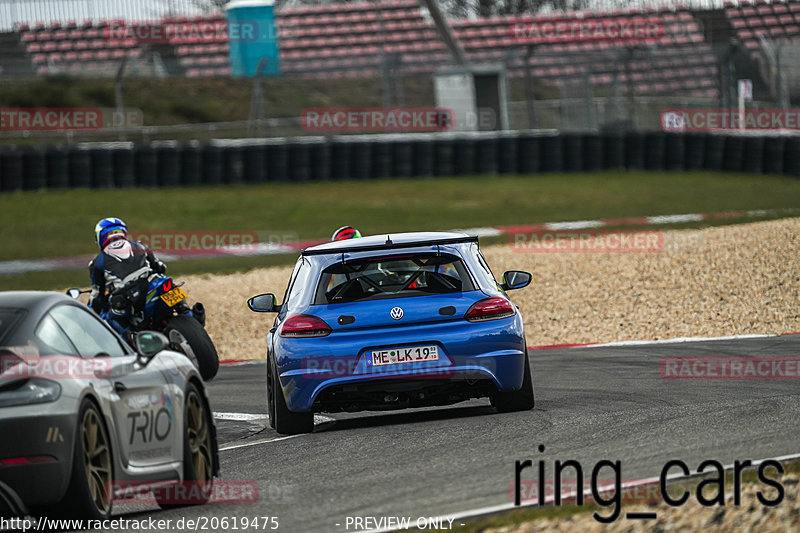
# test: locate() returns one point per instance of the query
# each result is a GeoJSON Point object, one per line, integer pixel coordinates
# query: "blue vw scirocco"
{"type": "Point", "coordinates": [392, 322]}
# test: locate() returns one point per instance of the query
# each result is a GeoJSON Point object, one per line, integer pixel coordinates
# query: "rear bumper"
{"type": "Point", "coordinates": [502, 370]}
{"type": "Point", "coordinates": [50, 439]}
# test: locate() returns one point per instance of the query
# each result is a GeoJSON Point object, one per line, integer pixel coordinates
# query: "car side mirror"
{"type": "Point", "coordinates": [74, 293]}
{"type": "Point", "coordinates": [149, 343]}
{"type": "Point", "coordinates": [263, 303]}
{"type": "Point", "coordinates": [516, 279]}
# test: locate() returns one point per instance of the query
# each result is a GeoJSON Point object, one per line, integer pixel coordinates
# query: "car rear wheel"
{"type": "Point", "coordinates": [89, 492]}
{"type": "Point", "coordinates": [518, 400]}
{"type": "Point", "coordinates": [286, 422]}
{"type": "Point", "coordinates": [198, 456]}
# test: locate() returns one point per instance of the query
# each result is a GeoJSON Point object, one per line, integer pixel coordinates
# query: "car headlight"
{"type": "Point", "coordinates": [29, 392]}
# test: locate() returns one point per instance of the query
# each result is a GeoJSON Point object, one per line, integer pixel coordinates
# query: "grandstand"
{"type": "Point", "coordinates": [350, 40]}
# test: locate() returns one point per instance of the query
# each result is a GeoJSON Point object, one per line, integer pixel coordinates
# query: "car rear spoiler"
{"type": "Point", "coordinates": [389, 245]}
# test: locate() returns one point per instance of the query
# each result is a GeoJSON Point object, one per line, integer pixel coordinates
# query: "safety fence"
{"type": "Point", "coordinates": [171, 164]}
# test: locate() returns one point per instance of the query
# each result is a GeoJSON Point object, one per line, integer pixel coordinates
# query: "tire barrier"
{"type": "Point", "coordinates": [303, 156]}
{"type": "Point", "coordinates": [102, 168]}
{"type": "Point", "coordinates": [791, 156]}
{"type": "Point", "coordinates": [464, 158]}
{"type": "Point", "coordinates": [146, 166]}
{"type": "Point", "coordinates": [422, 158]}
{"type": "Point", "coordinates": [592, 153]}
{"type": "Point", "coordinates": [773, 155]}
{"type": "Point", "coordinates": [11, 170]}
{"type": "Point", "coordinates": [694, 147]}
{"type": "Point", "coordinates": [340, 160]}
{"type": "Point", "coordinates": [360, 160]}
{"type": "Point", "coordinates": [674, 152]}
{"type": "Point", "coordinates": [613, 152]}
{"type": "Point", "coordinates": [191, 164]}
{"type": "Point", "coordinates": [321, 160]}
{"type": "Point", "coordinates": [254, 163]}
{"type": "Point", "coordinates": [715, 152]}
{"type": "Point", "coordinates": [402, 165]}
{"type": "Point", "coordinates": [486, 155]}
{"type": "Point", "coordinates": [753, 157]}
{"type": "Point", "coordinates": [551, 152]}
{"type": "Point", "coordinates": [572, 152]}
{"type": "Point", "coordinates": [528, 154]}
{"type": "Point", "coordinates": [232, 165]}
{"type": "Point", "coordinates": [168, 159]}
{"type": "Point", "coordinates": [170, 164]}
{"type": "Point", "coordinates": [654, 151]}
{"type": "Point", "coordinates": [277, 160]}
{"type": "Point", "coordinates": [57, 162]}
{"type": "Point", "coordinates": [634, 151]}
{"type": "Point", "coordinates": [507, 159]}
{"type": "Point", "coordinates": [733, 154]}
{"type": "Point", "coordinates": [444, 157]}
{"type": "Point", "coordinates": [212, 165]}
{"type": "Point", "coordinates": [381, 160]}
{"type": "Point", "coordinates": [34, 169]}
{"type": "Point", "coordinates": [80, 168]}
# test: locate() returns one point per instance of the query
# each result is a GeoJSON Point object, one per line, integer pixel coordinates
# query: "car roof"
{"type": "Point", "coordinates": [390, 241]}
{"type": "Point", "coordinates": [31, 300]}
{"type": "Point", "coordinates": [35, 304]}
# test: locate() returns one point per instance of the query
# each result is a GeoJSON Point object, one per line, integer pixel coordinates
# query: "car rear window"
{"type": "Point", "coordinates": [392, 277]}
{"type": "Point", "coordinates": [8, 317]}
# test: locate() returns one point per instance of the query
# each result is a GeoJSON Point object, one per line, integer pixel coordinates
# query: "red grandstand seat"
{"type": "Point", "coordinates": [39, 58]}
{"type": "Point", "coordinates": [50, 46]}
{"type": "Point", "coordinates": [71, 57]}
{"type": "Point", "coordinates": [65, 46]}
{"type": "Point", "coordinates": [28, 37]}
{"type": "Point", "coordinates": [34, 47]}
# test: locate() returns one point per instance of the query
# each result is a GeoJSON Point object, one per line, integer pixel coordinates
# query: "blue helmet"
{"type": "Point", "coordinates": [108, 230]}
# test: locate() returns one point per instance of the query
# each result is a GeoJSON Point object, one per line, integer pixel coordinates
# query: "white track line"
{"type": "Point", "coordinates": [678, 340]}
{"type": "Point", "coordinates": [494, 509]}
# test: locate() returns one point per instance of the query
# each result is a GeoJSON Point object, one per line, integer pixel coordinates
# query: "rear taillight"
{"type": "Point", "coordinates": [490, 309]}
{"type": "Point", "coordinates": [304, 326]}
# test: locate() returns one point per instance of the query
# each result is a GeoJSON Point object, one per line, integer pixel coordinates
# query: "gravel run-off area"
{"type": "Point", "coordinates": [726, 280]}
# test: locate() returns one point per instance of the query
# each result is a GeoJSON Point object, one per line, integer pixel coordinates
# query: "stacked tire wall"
{"type": "Point", "coordinates": [173, 164]}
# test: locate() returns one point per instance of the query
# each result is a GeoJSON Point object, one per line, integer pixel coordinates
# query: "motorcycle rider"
{"type": "Point", "coordinates": [120, 263]}
{"type": "Point", "coordinates": [344, 233]}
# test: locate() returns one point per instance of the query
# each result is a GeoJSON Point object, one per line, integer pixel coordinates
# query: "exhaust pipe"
{"type": "Point", "coordinates": [199, 313]}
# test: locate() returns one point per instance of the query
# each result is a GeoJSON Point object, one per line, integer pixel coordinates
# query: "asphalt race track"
{"type": "Point", "coordinates": [592, 403]}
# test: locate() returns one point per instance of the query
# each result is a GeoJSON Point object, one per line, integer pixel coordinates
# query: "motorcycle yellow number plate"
{"type": "Point", "coordinates": [174, 297]}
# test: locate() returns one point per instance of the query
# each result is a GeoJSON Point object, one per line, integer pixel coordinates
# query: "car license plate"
{"type": "Point", "coordinates": [396, 356]}
{"type": "Point", "coordinates": [174, 297]}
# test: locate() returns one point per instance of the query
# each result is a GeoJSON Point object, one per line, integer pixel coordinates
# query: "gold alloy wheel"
{"type": "Point", "coordinates": [97, 460]}
{"type": "Point", "coordinates": [199, 437]}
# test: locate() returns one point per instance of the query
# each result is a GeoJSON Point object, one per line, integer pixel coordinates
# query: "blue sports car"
{"type": "Point", "coordinates": [393, 322]}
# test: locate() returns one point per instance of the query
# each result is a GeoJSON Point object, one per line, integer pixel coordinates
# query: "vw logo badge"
{"type": "Point", "coordinates": [396, 313]}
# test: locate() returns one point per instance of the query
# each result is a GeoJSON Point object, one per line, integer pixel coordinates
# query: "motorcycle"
{"type": "Point", "coordinates": [158, 304]}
